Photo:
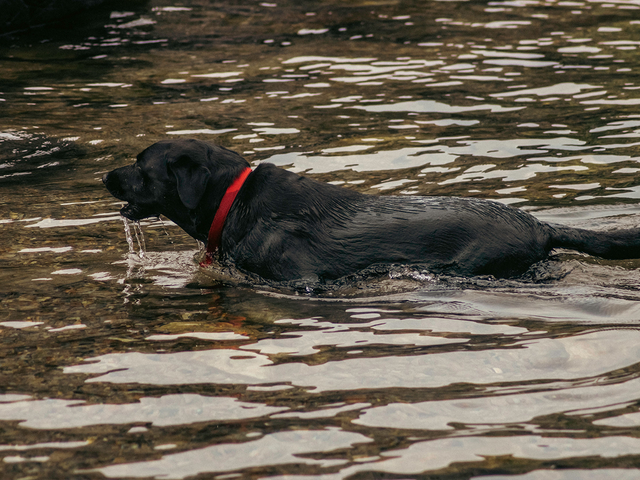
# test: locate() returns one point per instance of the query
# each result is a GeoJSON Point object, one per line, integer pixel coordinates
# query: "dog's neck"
{"type": "Point", "coordinates": [215, 231]}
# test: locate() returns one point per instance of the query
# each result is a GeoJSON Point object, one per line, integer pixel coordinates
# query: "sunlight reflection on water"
{"type": "Point", "coordinates": [152, 367]}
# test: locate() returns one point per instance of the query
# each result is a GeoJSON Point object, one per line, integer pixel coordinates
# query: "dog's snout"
{"type": "Point", "coordinates": [105, 178]}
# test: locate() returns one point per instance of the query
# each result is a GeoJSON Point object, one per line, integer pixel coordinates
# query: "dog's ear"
{"type": "Point", "coordinates": [191, 178]}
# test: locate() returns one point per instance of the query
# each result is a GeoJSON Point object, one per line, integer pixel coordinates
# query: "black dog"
{"type": "Point", "coordinates": [286, 227]}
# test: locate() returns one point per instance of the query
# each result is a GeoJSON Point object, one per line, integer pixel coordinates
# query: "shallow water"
{"type": "Point", "coordinates": [118, 364]}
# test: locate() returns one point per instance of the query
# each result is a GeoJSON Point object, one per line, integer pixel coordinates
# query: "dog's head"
{"type": "Point", "coordinates": [183, 180]}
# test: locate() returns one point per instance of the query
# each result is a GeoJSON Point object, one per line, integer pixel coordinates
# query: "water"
{"type": "Point", "coordinates": [126, 360]}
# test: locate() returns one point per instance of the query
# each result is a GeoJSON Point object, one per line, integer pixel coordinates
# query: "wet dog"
{"type": "Point", "coordinates": [282, 226]}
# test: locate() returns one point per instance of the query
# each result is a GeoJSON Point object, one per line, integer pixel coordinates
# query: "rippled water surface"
{"type": "Point", "coordinates": [127, 360]}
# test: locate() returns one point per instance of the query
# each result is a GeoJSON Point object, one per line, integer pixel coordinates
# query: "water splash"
{"type": "Point", "coordinates": [134, 266]}
{"type": "Point", "coordinates": [137, 231]}
{"type": "Point", "coordinates": [127, 234]}
{"type": "Point", "coordinates": [142, 247]}
{"type": "Point", "coordinates": [164, 229]}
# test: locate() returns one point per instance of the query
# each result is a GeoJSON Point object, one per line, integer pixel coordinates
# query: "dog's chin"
{"type": "Point", "coordinates": [135, 212]}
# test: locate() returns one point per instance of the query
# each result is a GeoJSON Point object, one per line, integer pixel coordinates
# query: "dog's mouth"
{"type": "Point", "coordinates": [136, 212]}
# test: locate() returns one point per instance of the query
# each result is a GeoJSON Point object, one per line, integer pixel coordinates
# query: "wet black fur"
{"type": "Point", "coordinates": [286, 227]}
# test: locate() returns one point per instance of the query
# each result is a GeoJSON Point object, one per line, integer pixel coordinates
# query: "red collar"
{"type": "Point", "coordinates": [215, 232]}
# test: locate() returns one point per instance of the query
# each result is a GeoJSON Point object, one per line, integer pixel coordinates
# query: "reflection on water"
{"type": "Point", "coordinates": [280, 448]}
{"type": "Point", "coordinates": [167, 410]}
{"type": "Point", "coordinates": [126, 360]}
{"type": "Point", "coordinates": [559, 359]}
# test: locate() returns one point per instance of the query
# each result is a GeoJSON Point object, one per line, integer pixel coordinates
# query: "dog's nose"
{"type": "Point", "coordinates": [104, 178]}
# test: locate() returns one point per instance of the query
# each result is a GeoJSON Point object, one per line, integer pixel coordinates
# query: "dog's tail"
{"type": "Point", "coordinates": [615, 244]}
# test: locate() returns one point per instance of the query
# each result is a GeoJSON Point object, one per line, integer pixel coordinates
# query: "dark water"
{"type": "Point", "coordinates": [117, 365]}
